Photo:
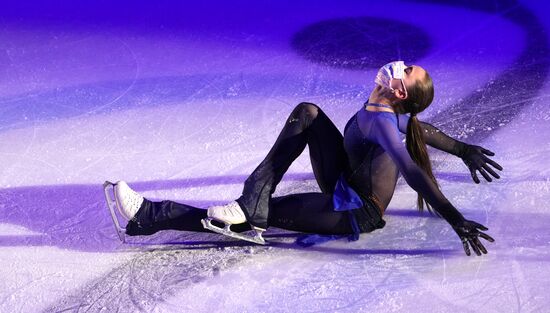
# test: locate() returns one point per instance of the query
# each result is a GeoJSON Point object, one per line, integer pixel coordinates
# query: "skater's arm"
{"type": "Point", "coordinates": [475, 157]}
{"type": "Point", "coordinates": [386, 134]}
{"type": "Point", "coordinates": [433, 136]}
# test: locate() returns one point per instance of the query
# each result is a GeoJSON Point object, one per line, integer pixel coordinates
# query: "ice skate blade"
{"type": "Point", "coordinates": [111, 204]}
{"type": "Point", "coordinates": [255, 238]}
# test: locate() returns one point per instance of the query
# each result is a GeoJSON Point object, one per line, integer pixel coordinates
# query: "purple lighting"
{"type": "Point", "coordinates": [183, 101]}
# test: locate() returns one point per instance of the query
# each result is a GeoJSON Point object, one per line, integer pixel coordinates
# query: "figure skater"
{"type": "Point", "coordinates": [357, 173]}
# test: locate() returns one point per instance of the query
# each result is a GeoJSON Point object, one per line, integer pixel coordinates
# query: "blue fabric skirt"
{"type": "Point", "coordinates": [364, 214]}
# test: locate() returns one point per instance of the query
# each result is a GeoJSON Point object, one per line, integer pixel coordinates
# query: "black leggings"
{"type": "Point", "coordinates": [306, 212]}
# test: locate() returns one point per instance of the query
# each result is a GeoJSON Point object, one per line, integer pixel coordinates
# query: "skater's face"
{"type": "Point", "coordinates": [413, 74]}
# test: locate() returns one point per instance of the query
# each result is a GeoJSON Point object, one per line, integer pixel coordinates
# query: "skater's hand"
{"type": "Point", "coordinates": [469, 233]}
{"type": "Point", "coordinates": [475, 157]}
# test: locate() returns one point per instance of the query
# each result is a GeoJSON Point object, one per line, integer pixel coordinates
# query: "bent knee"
{"type": "Point", "coordinates": [306, 110]}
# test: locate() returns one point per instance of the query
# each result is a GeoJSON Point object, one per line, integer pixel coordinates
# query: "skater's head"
{"type": "Point", "coordinates": [420, 90]}
{"type": "Point", "coordinates": [409, 88]}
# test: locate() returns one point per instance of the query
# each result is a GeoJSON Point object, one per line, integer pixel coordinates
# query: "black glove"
{"type": "Point", "coordinates": [469, 233]}
{"type": "Point", "coordinates": [475, 158]}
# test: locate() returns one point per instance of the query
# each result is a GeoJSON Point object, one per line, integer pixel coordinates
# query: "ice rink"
{"type": "Point", "coordinates": [183, 101]}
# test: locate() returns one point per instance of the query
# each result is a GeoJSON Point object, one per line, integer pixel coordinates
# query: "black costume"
{"type": "Point", "coordinates": [368, 158]}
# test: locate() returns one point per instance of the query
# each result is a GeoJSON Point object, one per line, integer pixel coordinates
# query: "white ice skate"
{"type": "Point", "coordinates": [230, 214]}
{"type": "Point", "coordinates": [126, 201]}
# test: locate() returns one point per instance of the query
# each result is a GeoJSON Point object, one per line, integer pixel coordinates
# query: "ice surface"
{"type": "Point", "coordinates": [183, 102]}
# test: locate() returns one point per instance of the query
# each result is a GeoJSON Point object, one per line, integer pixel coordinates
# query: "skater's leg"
{"type": "Point", "coordinates": [306, 125]}
{"type": "Point", "coordinates": [310, 213]}
{"type": "Point", "coordinates": [326, 151]}
{"type": "Point", "coordinates": [155, 216]}
{"type": "Point", "coordinates": [162, 215]}
{"type": "Point", "coordinates": [146, 217]}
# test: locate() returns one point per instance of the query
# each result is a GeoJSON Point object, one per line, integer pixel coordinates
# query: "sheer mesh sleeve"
{"type": "Point", "coordinates": [434, 137]}
{"type": "Point", "coordinates": [385, 133]}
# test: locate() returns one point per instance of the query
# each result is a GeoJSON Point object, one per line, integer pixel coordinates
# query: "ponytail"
{"type": "Point", "coordinates": [419, 153]}
{"type": "Point", "coordinates": [419, 98]}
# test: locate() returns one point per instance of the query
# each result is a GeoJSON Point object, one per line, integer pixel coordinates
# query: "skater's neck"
{"type": "Point", "coordinates": [378, 96]}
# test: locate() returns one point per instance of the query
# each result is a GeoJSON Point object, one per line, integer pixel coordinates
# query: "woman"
{"type": "Point", "coordinates": [357, 172]}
